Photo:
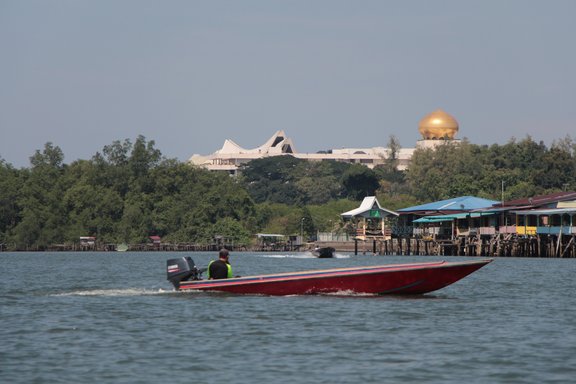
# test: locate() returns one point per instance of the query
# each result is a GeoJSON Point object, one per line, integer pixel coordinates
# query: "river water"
{"type": "Point", "coordinates": [113, 318]}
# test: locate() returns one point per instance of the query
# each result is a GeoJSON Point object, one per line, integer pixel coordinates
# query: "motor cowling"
{"type": "Point", "coordinates": [182, 269]}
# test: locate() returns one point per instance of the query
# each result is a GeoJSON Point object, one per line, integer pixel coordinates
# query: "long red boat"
{"type": "Point", "coordinates": [414, 278]}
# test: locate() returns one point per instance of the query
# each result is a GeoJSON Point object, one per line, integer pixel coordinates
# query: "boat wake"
{"type": "Point", "coordinates": [304, 255]}
{"type": "Point", "coordinates": [348, 293]}
{"type": "Point", "coordinates": [115, 292]}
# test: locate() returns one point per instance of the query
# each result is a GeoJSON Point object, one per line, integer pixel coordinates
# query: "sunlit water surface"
{"type": "Point", "coordinates": [113, 318]}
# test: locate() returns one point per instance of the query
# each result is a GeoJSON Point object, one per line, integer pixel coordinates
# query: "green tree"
{"type": "Point", "coordinates": [93, 210]}
{"type": "Point", "coordinates": [136, 223]}
{"type": "Point", "coordinates": [557, 169]}
{"type": "Point", "coordinates": [319, 182]}
{"type": "Point", "coordinates": [189, 201]}
{"type": "Point", "coordinates": [128, 192]}
{"type": "Point", "coordinates": [43, 215]}
{"type": "Point", "coordinates": [359, 182]}
{"type": "Point", "coordinates": [111, 167]}
{"type": "Point", "coordinates": [272, 179]}
{"type": "Point", "coordinates": [326, 217]}
{"type": "Point", "coordinates": [232, 230]}
{"type": "Point", "coordinates": [389, 170]}
{"type": "Point", "coordinates": [11, 184]}
{"type": "Point", "coordinates": [143, 158]}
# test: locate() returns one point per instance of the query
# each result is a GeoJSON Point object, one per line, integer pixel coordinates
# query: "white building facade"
{"type": "Point", "coordinates": [436, 128]}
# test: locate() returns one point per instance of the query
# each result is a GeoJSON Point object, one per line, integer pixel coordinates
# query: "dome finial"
{"type": "Point", "coordinates": [438, 125]}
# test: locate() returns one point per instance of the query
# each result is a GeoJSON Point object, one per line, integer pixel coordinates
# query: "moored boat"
{"type": "Point", "coordinates": [414, 278]}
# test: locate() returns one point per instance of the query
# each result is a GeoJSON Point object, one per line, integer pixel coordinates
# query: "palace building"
{"type": "Point", "coordinates": [436, 128]}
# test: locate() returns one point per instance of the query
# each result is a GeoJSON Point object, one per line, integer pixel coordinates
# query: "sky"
{"type": "Point", "coordinates": [332, 74]}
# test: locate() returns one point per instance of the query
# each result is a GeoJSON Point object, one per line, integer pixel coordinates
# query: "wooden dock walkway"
{"type": "Point", "coordinates": [546, 246]}
{"type": "Point", "coordinates": [509, 245]}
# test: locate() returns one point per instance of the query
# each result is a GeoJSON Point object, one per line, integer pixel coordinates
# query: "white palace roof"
{"type": "Point", "coordinates": [231, 155]}
{"type": "Point", "coordinates": [437, 128]}
{"type": "Point", "coordinates": [278, 144]}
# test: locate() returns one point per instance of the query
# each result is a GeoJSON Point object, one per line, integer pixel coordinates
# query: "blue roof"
{"type": "Point", "coordinates": [463, 203]}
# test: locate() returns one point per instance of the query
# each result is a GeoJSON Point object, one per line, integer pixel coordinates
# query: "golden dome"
{"type": "Point", "coordinates": [438, 125]}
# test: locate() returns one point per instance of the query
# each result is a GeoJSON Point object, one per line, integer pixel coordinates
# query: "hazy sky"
{"type": "Point", "coordinates": [331, 74]}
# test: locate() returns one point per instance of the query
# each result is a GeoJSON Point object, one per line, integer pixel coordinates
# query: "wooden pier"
{"type": "Point", "coordinates": [502, 245]}
{"type": "Point", "coordinates": [547, 246]}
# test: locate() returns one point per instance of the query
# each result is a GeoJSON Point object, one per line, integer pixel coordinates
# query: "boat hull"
{"type": "Point", "coordinates": [324, 253]}
{"type": "Point", "coordinates": [417, 278]}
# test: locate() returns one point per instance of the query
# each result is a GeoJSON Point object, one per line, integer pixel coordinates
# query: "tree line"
{"type": "Point", "coordinates": [129, 191]}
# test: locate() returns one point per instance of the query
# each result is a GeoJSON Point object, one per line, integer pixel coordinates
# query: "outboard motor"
{"type": "Point", "coordinates": [182, 269]}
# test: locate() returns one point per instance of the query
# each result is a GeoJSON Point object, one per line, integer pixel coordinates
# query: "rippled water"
{"type": "Point", "coordinates": [113, 318]}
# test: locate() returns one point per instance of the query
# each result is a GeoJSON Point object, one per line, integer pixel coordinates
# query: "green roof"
{"type": "Point", "coordinates": [440, 218]}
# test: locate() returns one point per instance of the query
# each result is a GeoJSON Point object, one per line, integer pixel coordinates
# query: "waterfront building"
{"type": "Point", "coordinates": [369, 219]}
{"type": "Point", "coordinates": [538, 226]}
{"type": "Point", "coordinates": [439, 217]}
{"type": "Point", "coordinates": [545, 214]}
{"type": "Point", "coordinates": [436, 128]}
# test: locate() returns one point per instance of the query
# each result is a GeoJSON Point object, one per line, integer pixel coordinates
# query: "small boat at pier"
{"type": "Point", "coordinates": [414, 278]}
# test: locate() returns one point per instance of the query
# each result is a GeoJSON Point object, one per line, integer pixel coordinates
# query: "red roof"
{"type": "Point", "coordinates": [538, 201]}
